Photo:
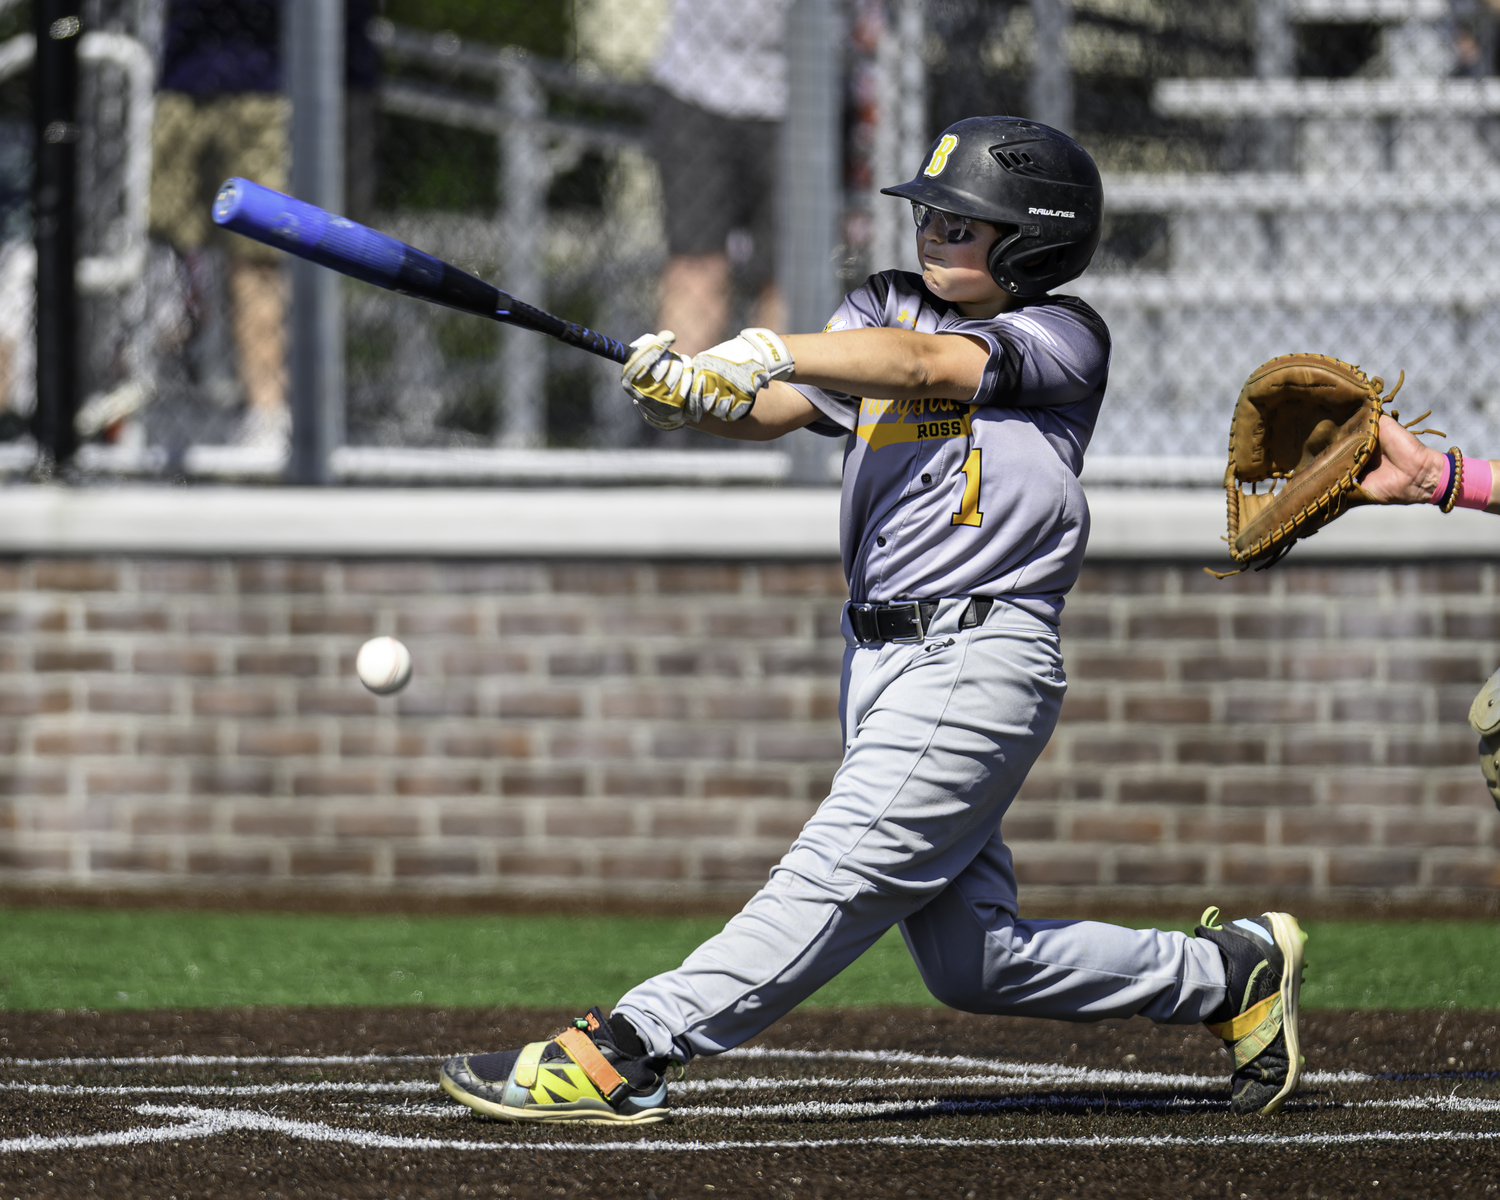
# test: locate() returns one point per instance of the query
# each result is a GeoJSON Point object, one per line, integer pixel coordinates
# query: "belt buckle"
{"type": "Point", "coordinates": [915, 611]}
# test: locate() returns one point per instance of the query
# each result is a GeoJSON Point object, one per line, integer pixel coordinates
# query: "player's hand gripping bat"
{"type": "Point", "coordinates": [310, 232]}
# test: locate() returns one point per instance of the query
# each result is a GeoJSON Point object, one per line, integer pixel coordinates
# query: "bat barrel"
{"type": "Point", "coordinates": [310, 232]}
{"type": "Point", "coordinates": [346, 246]}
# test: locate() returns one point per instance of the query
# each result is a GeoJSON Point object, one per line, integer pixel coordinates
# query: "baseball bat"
{"type": "Point", "coordinates": [352, 249]}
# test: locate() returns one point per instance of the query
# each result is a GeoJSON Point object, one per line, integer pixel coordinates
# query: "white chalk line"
{"type": "Point", "coordinates": [197, 1089]}
{"type": "Point", "coordinates": [225, 1060]}
{"type": "Point", "coordinates": [209, 1122]}
{"type": "Point", "coordinates": [766, 1083]}
{"type": "Point", "coordinates": [794, 1110]}
{"type": "Point", "coordinates": [451, 1110]}
{"type": "Point", "coordinates": [204, 1122]}
{"type": "Point", "coordinates": [979, 1105]}
{"type": "Point", "coordinates": [1025, 1072]}
{"type": "Point", "coordinates": [1033, 1071]}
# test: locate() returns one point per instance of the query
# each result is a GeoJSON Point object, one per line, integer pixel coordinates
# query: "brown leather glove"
{"type": "Point", "coordinates": [1312, 422]}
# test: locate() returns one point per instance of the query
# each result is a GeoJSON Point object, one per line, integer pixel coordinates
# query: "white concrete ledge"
{"type": "Point", "coordinates": [1361, 99]}
{"type": "Point", "coordinates": [680, 522]}
{"type": "Point", "coordinates": [1191, 524]}
{"type": "Point", "coordinates": [446, 522]}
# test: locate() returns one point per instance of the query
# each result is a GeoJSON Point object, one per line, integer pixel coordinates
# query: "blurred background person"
{"type": "Point", "coordinates": [722, 72]}
{"type": "Point", "coordinates": [220, 111]}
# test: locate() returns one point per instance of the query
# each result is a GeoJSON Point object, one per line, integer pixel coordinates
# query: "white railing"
{"type": "Point", "coordinates": [1256, 191]}
{"type": "Point", "coordinates": [1331, 12]}
{"type": "Point", "coordinates": [1327, 98]}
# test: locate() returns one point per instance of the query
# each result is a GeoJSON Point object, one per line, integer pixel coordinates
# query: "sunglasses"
{"type": "Point", "coordinates": [949, 227]}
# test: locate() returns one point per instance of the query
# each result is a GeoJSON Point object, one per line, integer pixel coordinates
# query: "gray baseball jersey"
{"type": "Point", "coordinates": [978, 497]}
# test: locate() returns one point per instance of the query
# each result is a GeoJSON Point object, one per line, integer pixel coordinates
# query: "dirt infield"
{"type": "Point", "coordinates": [344, 1103]}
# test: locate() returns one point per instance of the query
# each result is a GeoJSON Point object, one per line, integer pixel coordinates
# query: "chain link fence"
{"type": "Point", "coordinates": [1279, 175]}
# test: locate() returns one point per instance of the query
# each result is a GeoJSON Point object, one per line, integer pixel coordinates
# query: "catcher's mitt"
{"type": "Point", "coordinates": [1312, 422]}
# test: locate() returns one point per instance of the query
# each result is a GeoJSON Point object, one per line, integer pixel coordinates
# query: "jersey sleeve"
{"type": "Point", "coordinates": [863, 308]}
{"type": "Point", "coordinates": [1041, 356]}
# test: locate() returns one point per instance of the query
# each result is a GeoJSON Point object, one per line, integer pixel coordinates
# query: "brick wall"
{"type": "Point", "coordinates": [663, 729]}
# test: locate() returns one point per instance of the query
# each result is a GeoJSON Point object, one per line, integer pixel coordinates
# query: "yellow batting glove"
{"type": "Point", "coordinates": [661, 384]}
{"type": "Point", "coordinates": [730, 373]}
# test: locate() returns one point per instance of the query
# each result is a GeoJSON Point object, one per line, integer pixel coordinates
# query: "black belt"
{"type": "Point", "coordinates": [908, 622]}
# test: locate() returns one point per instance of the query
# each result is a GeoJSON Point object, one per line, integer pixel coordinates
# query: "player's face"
{"type": "Point", "coordinates": [954, 254]}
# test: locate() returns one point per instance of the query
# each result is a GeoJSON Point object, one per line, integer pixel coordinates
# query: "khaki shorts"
{"type": "Point", "coordinates": [197, 144]}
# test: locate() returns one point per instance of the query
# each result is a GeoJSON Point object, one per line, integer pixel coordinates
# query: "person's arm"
{"type": "Point", "coordinates": [1407, 471]}
{"type": "Point", "coordinates": [778, 409]}
{"type": "Point", "coordinates": [890, 364]}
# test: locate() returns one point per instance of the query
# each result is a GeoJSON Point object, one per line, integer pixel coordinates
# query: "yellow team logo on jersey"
{"type": "Point", "coordinates": [885, 423]}
{"type": "Point", "coordinates": [946, 146]}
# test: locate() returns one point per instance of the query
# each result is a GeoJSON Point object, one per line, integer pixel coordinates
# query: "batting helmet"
{"type": "Point", "coordinates": [1038, 185]}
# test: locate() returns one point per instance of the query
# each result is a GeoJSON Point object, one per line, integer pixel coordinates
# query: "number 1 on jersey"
{"type": "Point", "coordinates": [968, 508]}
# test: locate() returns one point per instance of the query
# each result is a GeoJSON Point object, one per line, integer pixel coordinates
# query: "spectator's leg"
{"type": "Point", "coordinates": [254, 140]}
{"type": "Point", "coordinates": [258, 297]}
{"type": "Point", "coordinates": [770, 309]}
{"type": "Point", "coordinates": [695, 300]}
{"type": "Point", "coordinates": [698, 190]}
{"type": "Point", "coordinates": [760, 142]}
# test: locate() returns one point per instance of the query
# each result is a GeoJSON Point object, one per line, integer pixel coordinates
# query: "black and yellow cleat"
{"type": "Point", "coordinates": [582, 1074]}
{"type": "Point", "coordinates": [1263, 971]}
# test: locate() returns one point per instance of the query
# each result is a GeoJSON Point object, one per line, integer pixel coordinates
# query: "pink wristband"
{"type": "Point", "coordinates": [1475, 492]}
{"type": "Point", "coordinates": [1440, 492]}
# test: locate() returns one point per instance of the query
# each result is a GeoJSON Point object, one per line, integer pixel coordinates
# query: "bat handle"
{"type": "Point", "coordinates": [518, 312]}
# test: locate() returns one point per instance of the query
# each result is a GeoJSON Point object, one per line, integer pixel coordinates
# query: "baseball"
{"type": "Point", "coordinates": [383, 665]}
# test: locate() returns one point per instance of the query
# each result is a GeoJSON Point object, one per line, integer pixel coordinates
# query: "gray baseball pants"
{"type": "Point", "coordinates": [938, 737]}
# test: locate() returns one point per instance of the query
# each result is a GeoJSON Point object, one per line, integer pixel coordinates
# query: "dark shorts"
{"type": "Point", "coordinates": [717, 174]}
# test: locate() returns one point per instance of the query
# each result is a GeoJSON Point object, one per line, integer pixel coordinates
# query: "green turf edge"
{"type": "Point", "coordinates": [113, 959]}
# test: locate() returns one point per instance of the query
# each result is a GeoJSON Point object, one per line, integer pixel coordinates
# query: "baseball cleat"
{"type": "Point", "coordinates": [580, 1075]}
{"type": "Point", "coordinates": [1263, 972]}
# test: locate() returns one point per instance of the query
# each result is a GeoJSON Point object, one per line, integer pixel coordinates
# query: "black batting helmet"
{"type": "Point", "coordinates": [1037, 184]}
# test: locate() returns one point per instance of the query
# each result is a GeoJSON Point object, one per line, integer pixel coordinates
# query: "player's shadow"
{"type": "Point", "coordinates": [1103, 1102]}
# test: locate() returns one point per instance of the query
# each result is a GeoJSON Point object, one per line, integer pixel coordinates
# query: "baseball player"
{"type": "Point", "coordinates": [966, 396]}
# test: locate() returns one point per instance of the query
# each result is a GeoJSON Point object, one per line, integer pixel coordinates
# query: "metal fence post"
{"type": "Point", "coordinates": [313, 53]}
{"type": "Point", "coordinates": [1051, 97]}
{"type": "Point", "coordinates": [900, 132]}
{"type": "Point", "coordinates": [55, 114]}
{"type": "Point", "coordinates": [523, 217]}
{"type": "Point", "coordinates": [1275, 58]}
{"type": "Point", "coordinates": [810, 192]}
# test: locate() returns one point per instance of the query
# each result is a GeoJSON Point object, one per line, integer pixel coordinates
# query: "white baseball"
{"type": "Point", "coordinates": [383, 665]}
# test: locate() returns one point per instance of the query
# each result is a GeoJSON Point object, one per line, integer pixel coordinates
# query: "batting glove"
{"type": "Point", "coordinates": [730, 373]}
{"type": "Point", "coordinates": [662, 385]}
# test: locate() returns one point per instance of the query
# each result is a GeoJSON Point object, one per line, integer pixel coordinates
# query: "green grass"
{"type": "Point", "coordinates": [83, 958]}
